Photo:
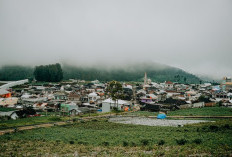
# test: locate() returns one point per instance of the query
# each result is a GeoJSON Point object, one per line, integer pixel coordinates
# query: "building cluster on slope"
{"type": "Point", "coordinates": [78, 96]}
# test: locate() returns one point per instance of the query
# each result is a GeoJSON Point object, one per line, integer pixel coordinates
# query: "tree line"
{"type": "Point", "coordinates": [54, 73]}
{"type": "Point", "coordinates": [48, 73]}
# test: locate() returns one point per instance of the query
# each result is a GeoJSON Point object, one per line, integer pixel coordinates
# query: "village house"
{"type": "Point", "coordinates": [4, 93]}
{"type": "Point", "coordinates": [109, 104]}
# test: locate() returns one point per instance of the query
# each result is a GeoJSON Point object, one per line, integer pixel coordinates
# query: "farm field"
{"type": "Point", "coordinates": [205, 111]}
{"type": "Point", "coordinates": [50, 118]}
{"type": "Point", "coordinates": [104, 138]}
{"type": "Point", "coordinates": [4, 124]}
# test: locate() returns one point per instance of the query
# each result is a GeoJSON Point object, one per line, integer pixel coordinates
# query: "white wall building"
{"type": "Point", "coordinates": [109, 104]}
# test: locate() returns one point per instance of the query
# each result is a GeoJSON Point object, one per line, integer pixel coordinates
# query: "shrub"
{"type": "Point", "coordinates": [125, 143]}
{"type": "Point", "coordinates": [213, 128]}
{"type": "Point", "coordinates": [82, 142]}
{"type": "Point", "coordinates": [133, 144]}
{"type": "Point", "coordinates": [54, 119]}
{"type": "Point", "coordinates": [161, 142]}
{"type": "Point", "coordinates": [149, 148]}
{"type": "Point", "coordinates": [182, 141]}
{"type": "Point", "coordinates": [227, 126]}
{"type": "Point", "coordinates": [197, 141]}
{"type": "Point", "coordinates": [115, 110]}
{"type": "Point", "coordinates": [105, 143]}
{"type": "Point", "coordinates": [58, 141]}
{"type": "Point", "coordinates": [71, 142]}
{"type": "Point", "coordinates": [145, 142]}
{"type": "Point", "coordinates": [75, 119]}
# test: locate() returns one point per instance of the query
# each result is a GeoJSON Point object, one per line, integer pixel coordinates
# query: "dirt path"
{"type": "Point", "coordinates": [2, 132]}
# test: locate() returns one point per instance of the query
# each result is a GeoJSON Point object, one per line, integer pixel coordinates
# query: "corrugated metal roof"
{"type": "Point", "coordinates": [3, 92]}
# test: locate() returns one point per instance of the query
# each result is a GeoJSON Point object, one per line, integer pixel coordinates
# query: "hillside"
{"type": "Point", "coordinates": [130, 72]}
{"type": "Point", "coordinates": [15, 72]}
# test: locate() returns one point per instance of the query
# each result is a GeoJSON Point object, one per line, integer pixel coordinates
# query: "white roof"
{"type": "Point", "coordinates": [127, 86]}
{"type": "Point", "coordinates": [3, 91]}
{"type": "Point", "coordinates": [92, 94]}
{"type": "Point", "coordinates": [229, 94]}
{"type": "Point", "coordinates": [121, 102]}
{"type": "Point", "coordinates": [191, 92]}
{"type": "Point", "coordinates": [26, 95]}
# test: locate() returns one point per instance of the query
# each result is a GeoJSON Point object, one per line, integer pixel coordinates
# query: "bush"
{"type": "Point", "coordinates": [182, 141]}
{"type": "Point", "coordinates": [197, 141]}
{"type": "Point", "coordinates": [105, 143]}
{"type": "Point", "coordinates": [213, 128]}
{"type": "Point", "coordinates": [125, 143]}
{"type": "Point", "coordinates": [133, 144]}
{"type": "Point", "coordinates": [75, 119]}
{"type": "Point", "coordinates": [161, 142]}
{"type": "Point", "coordinates": [116, 110]}
{"type": "Point", "coordinates": [227, 126]}
{"type": "Point", "coordinates": [71, 142]}
{"type": "Point", "coordinates": [145, 142]}
{"type": "Point", "coordinates": [54, 119]}
{"type": "Point", "coordinates": [82, 142]}
{"type": "Point", "coordinates": [58, 141]}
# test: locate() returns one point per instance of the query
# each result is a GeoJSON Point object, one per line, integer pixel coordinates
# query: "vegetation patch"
{"type": "Point", "coordinates": [182, 141]}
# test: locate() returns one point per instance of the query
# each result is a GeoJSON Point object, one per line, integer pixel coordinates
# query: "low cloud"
{"type": "Point", "coordinates": [193, 35]}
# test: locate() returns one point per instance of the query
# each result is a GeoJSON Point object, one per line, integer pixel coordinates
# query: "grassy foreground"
{"type": "Point", "coordinates": [205, 111]}
{"type": "Point", "coordinates": [110, 139]}
{"type": "Point", "coordinates": [52, 117]}
{"type": "Point", "coordinates": [4, 124]}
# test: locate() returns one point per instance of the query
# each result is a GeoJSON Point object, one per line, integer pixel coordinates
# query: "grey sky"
{"type": "Point", "coordinates": [195, 35]}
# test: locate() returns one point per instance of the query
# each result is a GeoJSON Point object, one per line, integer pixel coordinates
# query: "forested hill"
{"type": "Point", "coordinates": [15, 72]}
{"type": "Point", "coordinates": [132, 72]}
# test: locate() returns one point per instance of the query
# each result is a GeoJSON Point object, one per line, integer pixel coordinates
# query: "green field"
{"type": "Point", "coordinates": [205, 111]}
{"type": "Point", "coordinates": [213, 138]}
{"type": "Point", "coordinates": [51, 117]}
{"type": "Point", "coordinates": [103, 138]}
{"type": "Point", "coordinates": [4, 124]}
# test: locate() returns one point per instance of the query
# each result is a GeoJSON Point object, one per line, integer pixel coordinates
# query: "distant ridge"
{"type": "Point", "coordinates": [122, 72]}
{"type": "Point", "coordinates": [130, 72]}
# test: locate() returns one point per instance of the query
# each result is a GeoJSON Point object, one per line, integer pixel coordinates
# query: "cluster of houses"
{"type": "Point", "coordinates": [180, 96]}
{"type": "Point", "coordinates": [78, 96]}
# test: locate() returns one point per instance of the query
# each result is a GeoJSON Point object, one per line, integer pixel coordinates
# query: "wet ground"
{"type": "Point", "coordinates": [153, 121]}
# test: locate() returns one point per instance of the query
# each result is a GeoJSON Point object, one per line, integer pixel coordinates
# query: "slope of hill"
{"type": "Point", "coordinates": [15, 72]}
{"type": "Point", "coordinates": [130, 72]}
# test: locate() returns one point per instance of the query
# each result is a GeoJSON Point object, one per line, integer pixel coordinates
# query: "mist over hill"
{"type": "Point", "coordinates": [123, 72]}
{"type": "Point", "coordinates": [130, 72]}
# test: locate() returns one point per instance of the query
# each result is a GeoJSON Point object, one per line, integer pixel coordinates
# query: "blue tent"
{"type": "Point", "coordinates": [161, 116]}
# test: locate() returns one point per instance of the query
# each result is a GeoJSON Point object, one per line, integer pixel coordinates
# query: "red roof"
{"type": "Point", "coordinates": [169, 82]}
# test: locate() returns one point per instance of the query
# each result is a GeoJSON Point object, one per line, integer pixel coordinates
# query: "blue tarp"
{"type": "Point", "coordinates": [161, 116]}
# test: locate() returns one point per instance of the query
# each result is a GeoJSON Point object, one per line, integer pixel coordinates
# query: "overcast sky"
{"type": "Point", "coordinates": [195, 35]}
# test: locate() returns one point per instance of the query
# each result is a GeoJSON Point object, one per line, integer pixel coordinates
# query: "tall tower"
{"type": "Point", "coordinates": [145, 78]}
